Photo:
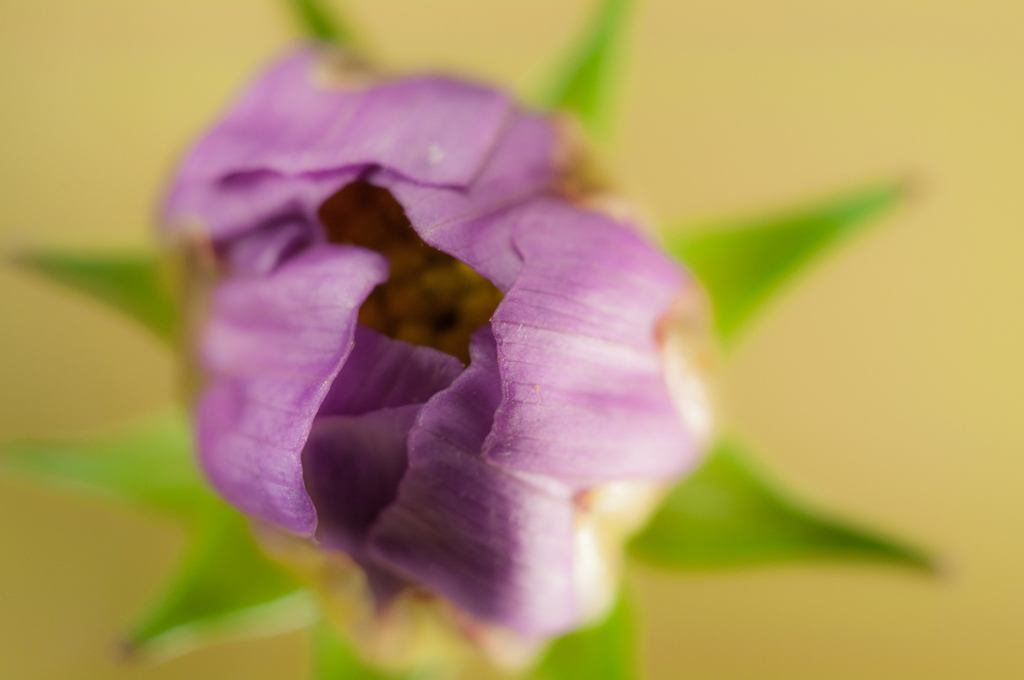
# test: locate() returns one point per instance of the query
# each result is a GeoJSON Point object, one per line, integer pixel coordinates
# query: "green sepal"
{"type": "Point", "coordinates": [585, 81]}
{"type": "Point", "coordinates": [130, 283]}
{"type": "Point", "coordinates": [601, 652]}
{"type": "Point", "coordinates": [321, 23]}
{"type": "Point", "coordinates": [334, 658]}
{"type": "Point", "coordinates": [742, 263]}
{"type": "Point", "coordinates": [224, 588]}
{"type": "Point", "coordinates": [148, 463]}
{"type": "Point", "coordinates": [727, 515]}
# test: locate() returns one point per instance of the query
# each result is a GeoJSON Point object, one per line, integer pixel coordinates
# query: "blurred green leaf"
{"type": "Point", "coordinates": [320, 22]}
{"type": "Point", "coordinates": [334, 658]}
{"type": "Point", "coordinates": [132, 284]}
{"type": "Point", "coordinates": [585, 81]}
{"type": "Point", "coordinates": [601, 652]}
{"type": "Point", "coordinates": [224, 588]}
{"type": "Point", "coordinates": [726, 515]}
{"type": "Point", "coordinates": [741, 264]}
{"type": "Point", "coordinates": [148, 463]}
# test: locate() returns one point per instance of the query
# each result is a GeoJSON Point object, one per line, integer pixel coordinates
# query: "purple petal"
{"type": "Point", "coordinates": [352, 466]}
{"type": "Point", "coordinates": [430, 130]}
{"type": "Point", "coordinates": [230, 207]}
{"type": "Point", "coordinates": [496, 545]}
{"type": "Point", "coordinates": [260, 252]}
{"type": "Point", "coordinates": [386, 373]}
{"type": "Point", "coordinates": [584, 397]}
{"type": "Point", "coordinates": [472, 225]}
{"type": "Point", "coordinates": [271, 348]}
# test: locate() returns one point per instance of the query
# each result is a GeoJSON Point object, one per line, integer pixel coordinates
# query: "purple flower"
{"type": "Point", "coordinates": [369, 238]}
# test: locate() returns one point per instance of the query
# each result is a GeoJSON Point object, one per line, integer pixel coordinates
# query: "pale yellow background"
{"type": "Point", "coordinates": [890, 384]}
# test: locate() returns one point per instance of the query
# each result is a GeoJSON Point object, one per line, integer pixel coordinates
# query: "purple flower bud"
{"type": "Point", "coordinates": [370, 239]}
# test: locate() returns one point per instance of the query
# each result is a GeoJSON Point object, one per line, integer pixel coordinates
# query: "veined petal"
{"type": "Point", "coordinates": [469, 224]}
{"type": "Point", "coordinates": [386, 373]}
{"type": "Point", "coordinates": [271, 348]}
{"type": "Point", "coordinates": [260, 252]}
{"type": "Point", "coordinates": [584, 394]}
{"type": "Point", "coordinates": [496, 545]}
{"type": "Point", "coordinates": [430, 130]}
{"type": "Point", "coordinates": [356, 451]}
{"type": "Point", "coordinates": [352, 466]}
{"type": "Point", "coordinates": [235, 206]}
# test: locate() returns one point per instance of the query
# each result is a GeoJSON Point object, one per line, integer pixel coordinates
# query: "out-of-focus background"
{"type": "Point", "coordinates": [889, 384]}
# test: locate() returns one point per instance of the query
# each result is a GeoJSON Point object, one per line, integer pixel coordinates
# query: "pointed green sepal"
{"type": "Point", "coordinates": [726, 515]}
{"type": "Point", "coordinates": [224, 589]}
{"type": "Point", "coordinates": [585, 82]}
{"type": "Point", "coordinates": [741, 264]}
{"type": "Point", "coordinates": [334, 658]}
{"type": "Point", "coordinates": [320, 22]}
{"type": "Point", "coordinates": [147, 463]}
{"type": "Point", "coordinates": [601, 652]}
{"type": "Point", "coordinates": [131, 283]}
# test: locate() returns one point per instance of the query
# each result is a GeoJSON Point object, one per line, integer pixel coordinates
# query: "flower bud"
{"type": "Point", "coordinates": [433, 364]}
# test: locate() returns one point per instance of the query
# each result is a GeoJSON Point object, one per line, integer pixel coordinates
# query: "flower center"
{"type": "Point", "coordinates": [430, 298]}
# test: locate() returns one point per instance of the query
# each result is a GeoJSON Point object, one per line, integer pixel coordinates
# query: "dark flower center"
{"type": "Point", "coordinates": [430, 298]}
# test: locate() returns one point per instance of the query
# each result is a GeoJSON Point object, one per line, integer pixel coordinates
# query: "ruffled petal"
{"type": "Point", "coordinates": [584, 394]}
{"type": "Point", "coordinates": [386, 373]}
{"type": "Point", "coordinates": [430, 130]}
{"type": "Point", "coordinates": [352, 466]}
{"type": "Point", "coordinates": [235, 206]}
{"type": "Point", "coordinates": [271, 348]}
{"type": "Point", "coordinates": [498, 546]}
{"type": "Point", "coordinates": [356, 452]}
{"type": "Point", "coordinates": [433, 130]}
{"type": "Point", "coordinates": [260, 252]}
{"type": "Point", "coordinates": [474, 225]}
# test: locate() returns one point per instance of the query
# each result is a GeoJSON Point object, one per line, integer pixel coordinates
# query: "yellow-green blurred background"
{"type": "Point", "coordinates": [889, 384]}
